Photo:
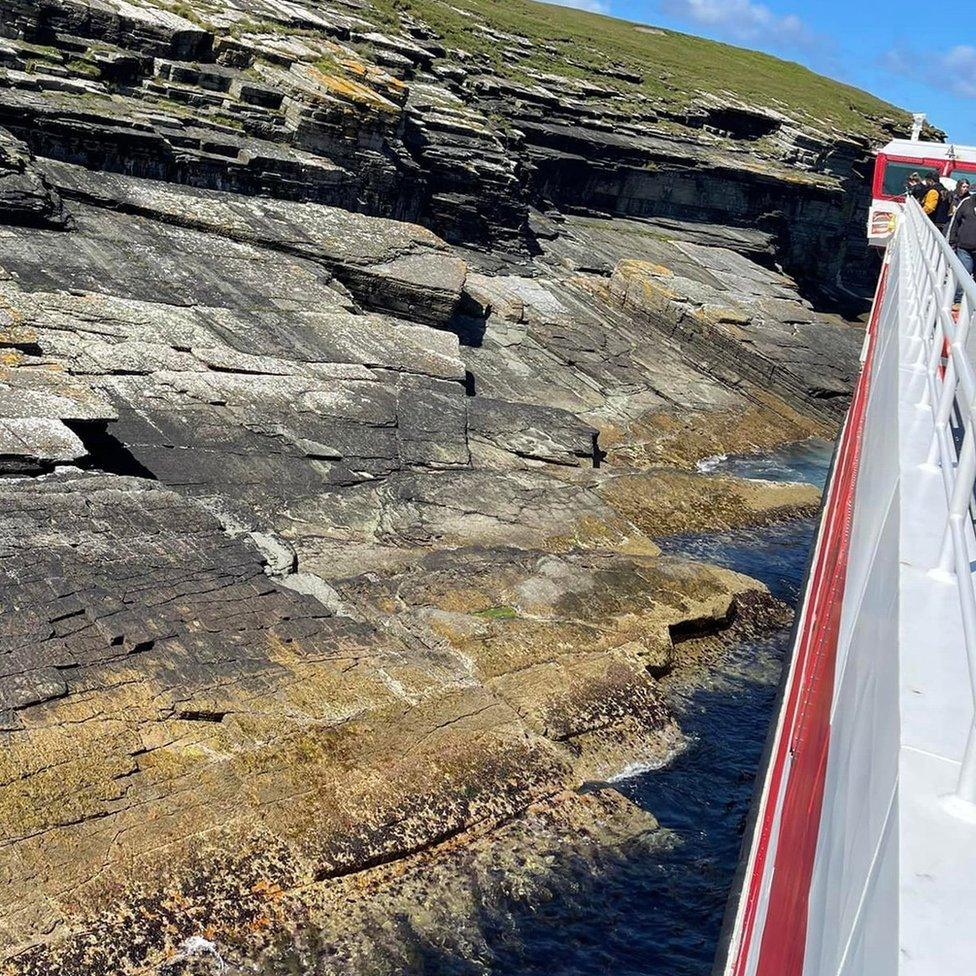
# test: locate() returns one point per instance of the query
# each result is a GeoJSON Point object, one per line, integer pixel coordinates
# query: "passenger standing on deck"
{"type": "Point", "coordinates": [962, 234]}
{"type": "Point", "coordinates": [959, 194]}
{"type": "Point", "coordinates": [937, 200]}
{"type": "Point", "coordinates": [914, 187]}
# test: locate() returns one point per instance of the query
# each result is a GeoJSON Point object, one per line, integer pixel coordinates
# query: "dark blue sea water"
{"type": "Point", "coordinates": [807, 460]}
{"type": "Point", "coordinates": [659, 912]}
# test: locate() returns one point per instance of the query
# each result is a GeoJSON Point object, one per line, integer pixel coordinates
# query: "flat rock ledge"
{"type": "Point", "coordinates": [190, 744]}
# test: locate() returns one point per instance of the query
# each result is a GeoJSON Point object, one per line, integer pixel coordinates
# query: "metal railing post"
{"type": "Point", "coordinates": [966, 791]}
{"type": "Point", "coordinates": [962, 488]}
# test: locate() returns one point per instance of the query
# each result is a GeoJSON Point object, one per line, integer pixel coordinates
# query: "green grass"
{"type": "Point", "coordinates": [498, 613]}
{"type": "Point", "coordinates": [43, 51]}
{"type": "Point", "coordinates": [186, 11]}
{"type": "Point", "coordinates": [79, 67]}
{"type": "Point", "coordinates": [329, 65]}
{"type": "Point", "coordinates": [674, 66]}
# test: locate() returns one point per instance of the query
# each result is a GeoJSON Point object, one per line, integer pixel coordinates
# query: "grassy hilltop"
{"type": "Point", "coordinates": [673, 67]}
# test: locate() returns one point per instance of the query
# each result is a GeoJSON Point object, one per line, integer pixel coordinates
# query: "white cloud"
{"type": "Point", "coordinates": [953, 70]}
{"type": "Point", "coordinates": [743, 21]}
{"type": "Point", "coordinates": [594, 6]}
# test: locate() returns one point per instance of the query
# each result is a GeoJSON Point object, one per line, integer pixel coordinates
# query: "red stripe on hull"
{"type": "Point", "coordinates": [805, 733]}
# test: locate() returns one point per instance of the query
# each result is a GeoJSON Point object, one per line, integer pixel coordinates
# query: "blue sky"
{"type": "Point", "coordinates": [912, 54]}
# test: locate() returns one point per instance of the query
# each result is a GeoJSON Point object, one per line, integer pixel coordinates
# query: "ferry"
{"type": "Point", "coordinates": [860, 855]}
{"type": "Point", "coordinates": [897, 161]}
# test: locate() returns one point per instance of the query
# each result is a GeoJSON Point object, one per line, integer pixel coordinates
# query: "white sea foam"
{"type": "Point", "coordinates": [709, 464]}
{"type": "Point", "coordinates": [634, 769]}
{"type": "Point", "coordinates": [197, 947]}
{"type": "Point", "coordinates": [639, 768]}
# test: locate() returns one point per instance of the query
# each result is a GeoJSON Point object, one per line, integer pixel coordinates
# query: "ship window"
{"type": "Point", "coordinates": [963, 174]}
{"type": "Point", "coordinates": [896, 176]}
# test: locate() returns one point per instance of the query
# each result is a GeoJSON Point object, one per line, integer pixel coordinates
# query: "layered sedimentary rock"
{"type": "Point", "coordinates": [463, 118]}
{"type": "Point", "coordinates": [327, 545]}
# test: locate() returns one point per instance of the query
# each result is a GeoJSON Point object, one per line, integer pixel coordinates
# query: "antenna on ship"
{"type": "Point", "coordinates": [918, 120]}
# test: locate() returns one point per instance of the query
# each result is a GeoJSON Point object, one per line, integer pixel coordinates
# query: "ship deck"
{"type": "Point", "coordinates": [937, 848]}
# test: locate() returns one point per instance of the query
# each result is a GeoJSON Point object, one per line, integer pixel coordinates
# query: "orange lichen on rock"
{"type": "Point", "coordinates": [350, 90]}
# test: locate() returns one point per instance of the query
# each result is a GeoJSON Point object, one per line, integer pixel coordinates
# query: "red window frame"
{"type": "Point", "coordinates": [923, 165]}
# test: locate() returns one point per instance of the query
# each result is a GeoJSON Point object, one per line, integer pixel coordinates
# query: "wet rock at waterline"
{"type": "Point", "coordinates": [196, 743]}
{"type": "Point", "coordinates": [335, 442]}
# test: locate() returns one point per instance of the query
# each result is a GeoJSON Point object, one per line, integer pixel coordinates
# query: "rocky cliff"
{"type": "Point", "coordinates": [352, 357]}
{"type": "Point", "coordinates": [467, 118]}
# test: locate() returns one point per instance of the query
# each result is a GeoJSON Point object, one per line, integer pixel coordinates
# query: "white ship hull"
{"type": "Point", "coordinates": [862, 857]}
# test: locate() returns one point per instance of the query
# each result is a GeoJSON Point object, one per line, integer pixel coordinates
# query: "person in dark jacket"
{"type": "Point", "coordinates": [937, 201]}
{"type": "Point", "coordinates": [914, 187]}
{"type": "Point", "coordinates": [962, 234]}
{"type": "Point", "coordinates": [959, 194]}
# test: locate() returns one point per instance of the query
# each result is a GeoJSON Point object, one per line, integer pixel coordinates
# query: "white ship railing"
{"type": "Point", "coordinates": [933, 278]}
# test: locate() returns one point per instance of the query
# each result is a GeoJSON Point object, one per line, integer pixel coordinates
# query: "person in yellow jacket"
{"type": "Point", "coordinates": [930, 199]}
{"type": "Point", "coordinates": [937, 200]}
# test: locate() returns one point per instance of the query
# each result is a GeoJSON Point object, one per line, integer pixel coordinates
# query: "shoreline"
{"type": "Point", "coordinates": [586, 825]}
{"type": "Point", "coordinates": [588, 714]}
